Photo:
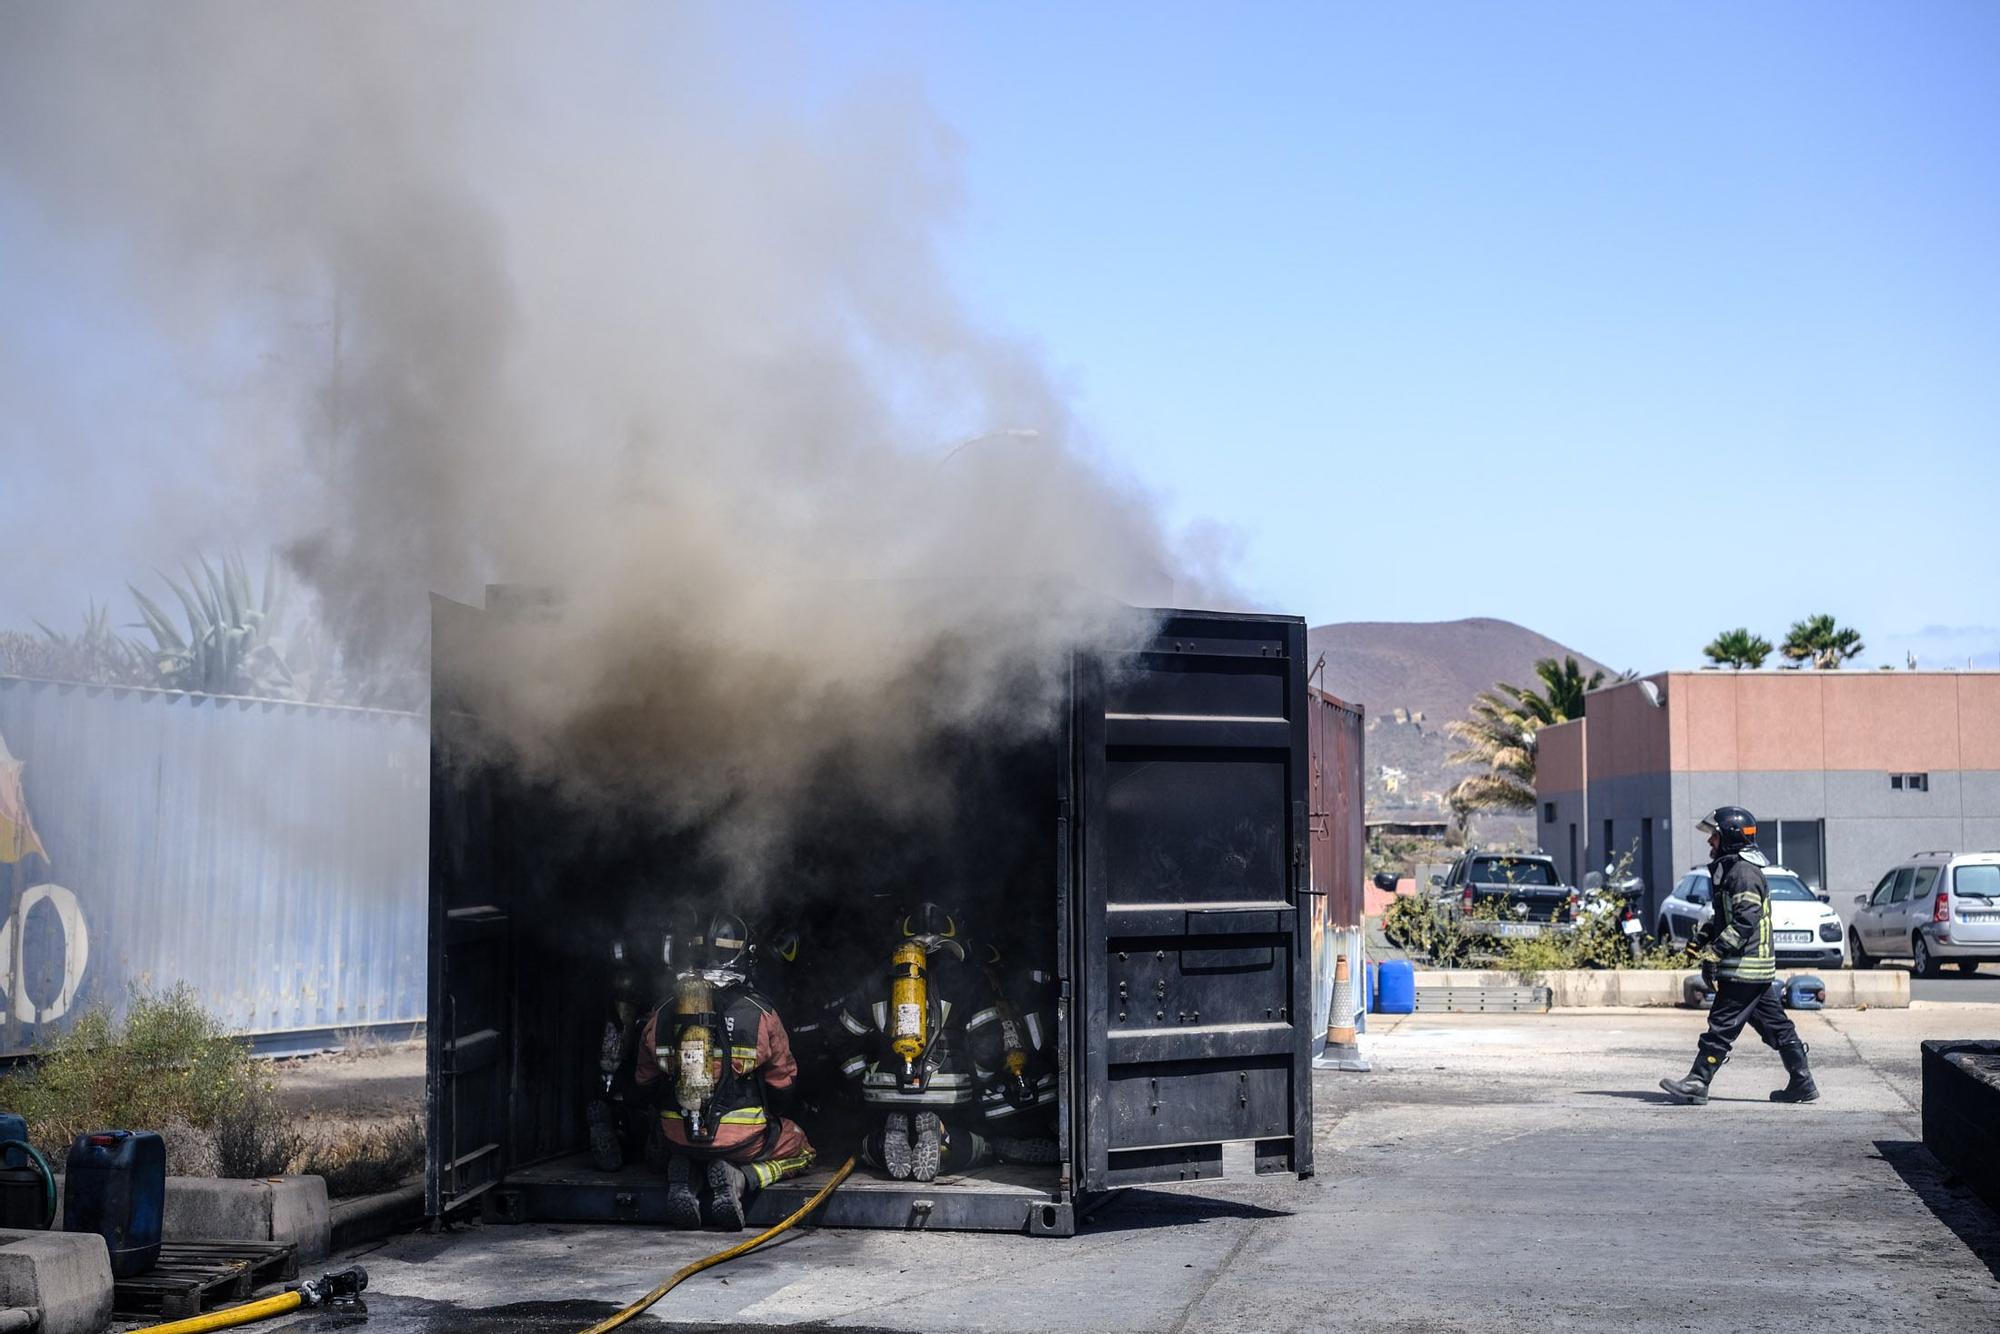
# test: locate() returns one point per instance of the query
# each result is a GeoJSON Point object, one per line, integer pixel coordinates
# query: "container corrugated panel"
{"type": "Point", "coordinates": [272, 856]}
{"type": "Point", "coordinates": [1337, 857]}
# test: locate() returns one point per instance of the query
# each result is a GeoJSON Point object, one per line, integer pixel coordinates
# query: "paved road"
{"type": "Point", "coordinates": [1494, 1172]}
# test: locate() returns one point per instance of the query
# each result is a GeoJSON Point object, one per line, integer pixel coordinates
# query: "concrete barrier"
{"type": "Point", "coordinates": [64, 1275]}
{"type": "Point", "coordinates": [290, 1209]}
{"type": "Point", "coordinates": [1572, 988]}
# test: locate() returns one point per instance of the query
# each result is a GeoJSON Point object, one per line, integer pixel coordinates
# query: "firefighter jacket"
{"type": "Point", "coordinates": [1737, 936]}
{"type": "Point", "coordinates": [1007, 1039]}
{"type": "Point", "coordinates": [943, 1079]}
{"type": "Point", "coordinates": [758, 1071]}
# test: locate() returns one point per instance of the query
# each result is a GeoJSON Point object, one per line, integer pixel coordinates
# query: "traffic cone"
{"type": "Point", "coordinates": [1341, 1051]}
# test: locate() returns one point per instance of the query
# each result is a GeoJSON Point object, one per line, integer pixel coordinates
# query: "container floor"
{"type": "Point", "coordinates": [994, 1198]}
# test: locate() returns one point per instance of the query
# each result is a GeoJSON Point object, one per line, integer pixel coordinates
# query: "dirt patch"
{"type": "Point", "coordinates": [358, 1115]}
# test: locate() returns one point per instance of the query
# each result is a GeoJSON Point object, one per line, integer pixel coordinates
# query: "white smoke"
{"type": "Point", "coordinates": [552, 295]}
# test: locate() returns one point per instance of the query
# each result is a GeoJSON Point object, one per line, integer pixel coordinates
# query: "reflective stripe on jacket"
{"type": "Point", "coordinates": [1737, 937]}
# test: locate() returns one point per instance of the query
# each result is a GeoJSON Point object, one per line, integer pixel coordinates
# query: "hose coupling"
{"type": "Point", "coordinates": [337, 1291]}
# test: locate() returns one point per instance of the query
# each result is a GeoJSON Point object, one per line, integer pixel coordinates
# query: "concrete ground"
{"type": "Point", "coordinates": [1492, 1173]}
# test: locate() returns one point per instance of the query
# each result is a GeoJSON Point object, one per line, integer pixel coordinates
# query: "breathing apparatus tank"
{"type": "Point", "coordinates": [1013, 1043]}
{"type": "Point", "coordinates": [694, 1062]}
{"type": "Point", "coordinates": [909, 1010]}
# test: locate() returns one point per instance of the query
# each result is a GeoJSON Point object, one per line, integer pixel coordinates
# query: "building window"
{"type": "Point", "coordinates": [1910, 782]}
{"type": "Point", "coordinates": [1548, 812]}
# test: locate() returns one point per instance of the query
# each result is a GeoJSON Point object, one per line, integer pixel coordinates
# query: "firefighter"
{"type": "Point", "coordinates": [904, 1032]}
{"type": "Point", "coordinates": [720, 1062]}
{"type": "Point", "coordinates": [625, 1012]}
{"type": "Point", "coordinates": [1737, 960]}
{"type": "Point", "coordinates": [1007, 1039]}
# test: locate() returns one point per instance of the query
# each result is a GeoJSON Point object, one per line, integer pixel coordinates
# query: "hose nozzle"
{"type": "Point", "coordinates": [338, 1291]}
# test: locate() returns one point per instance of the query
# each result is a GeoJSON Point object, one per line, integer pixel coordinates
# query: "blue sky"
{"type": "Point", "coordinates": [1630, 323]}
{"type": "Point", "coordinates": [1627, 322]}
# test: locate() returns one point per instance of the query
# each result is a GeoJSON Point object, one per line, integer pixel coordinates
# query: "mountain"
{"type": "Point", "coordinates": [1413, 677]}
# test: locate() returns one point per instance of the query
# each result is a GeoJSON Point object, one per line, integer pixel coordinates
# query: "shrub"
{"type": "Point", "coordinates": [169, 1066]}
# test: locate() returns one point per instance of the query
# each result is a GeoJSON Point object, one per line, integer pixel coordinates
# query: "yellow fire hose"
{"type": "Point", "coordinates": [720, 1257]}
{"type": "Point", "coordinates": [235, 1315]}
{"type": "Point", "coordinates": [341, 1291]}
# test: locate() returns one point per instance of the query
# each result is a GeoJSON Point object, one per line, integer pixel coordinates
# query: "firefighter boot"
{"type": "Point", "coordinates": [727, 1188]}
{"type": "Point", "coordinates": [1693, 1089]}
{"type": "Point", "coordinates": [896, 1145]}
{"type": "Point", "coordinates": [1802, 1088]}
{"type": "Point", "coordinates": [926, 1146]}
{"type": "Point", "coordinates": [607, 1150]}
{"type": "Point", "coordinates": [683, 1208]}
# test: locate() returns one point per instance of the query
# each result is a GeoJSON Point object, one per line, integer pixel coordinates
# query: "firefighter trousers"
{"type": "Point", "coordinates": [1740, 1003]}
{"type": "Point", "coordinates": [762, 1158]}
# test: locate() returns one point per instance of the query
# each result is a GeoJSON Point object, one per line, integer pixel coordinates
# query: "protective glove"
{"type": "Point", "coordinates": [1708, 974]}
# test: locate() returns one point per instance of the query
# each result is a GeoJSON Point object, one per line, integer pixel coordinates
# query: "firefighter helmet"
{"type": "Point", "coordinates": [933, 927]}
{"type": "Point", "coordinates": [720, 949]}
{"type": "Point", "coordinates": [1734, 826]}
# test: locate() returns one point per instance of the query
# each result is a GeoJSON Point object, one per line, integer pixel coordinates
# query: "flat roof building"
{"type": "Point", "coordinates": [1847, 772]}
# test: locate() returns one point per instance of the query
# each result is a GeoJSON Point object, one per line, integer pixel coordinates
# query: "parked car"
{"type": "Point", "coordinates": [1805, 931]}
{"type": "Point", "coordinates": [1933, 909]}
{"type": "Point", "coordinates": [1525, 888]}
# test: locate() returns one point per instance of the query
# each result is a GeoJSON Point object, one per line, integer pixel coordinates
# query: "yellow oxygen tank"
{"type": "Point", "coordinates": [909, 1004]}
{"type": "Point", "coordinates": [693, 1061]}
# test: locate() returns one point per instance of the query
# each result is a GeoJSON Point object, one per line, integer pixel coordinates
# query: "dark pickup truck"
{"type": "Point", "coordinates": [1524, 894]}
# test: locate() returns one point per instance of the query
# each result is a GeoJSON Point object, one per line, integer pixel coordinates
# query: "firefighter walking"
{"type": "Point", "coordinates": [1739, 962]}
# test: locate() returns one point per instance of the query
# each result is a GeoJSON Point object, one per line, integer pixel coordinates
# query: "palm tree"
{"type": "Point", "coordinates": [1819, 640]}
{"type": "Point", "coordinates": [1561, 696]}
{"type": "Point", "coordinates": [1737, 649]}
{"type": "Point", "coordinates": [1499, 737]}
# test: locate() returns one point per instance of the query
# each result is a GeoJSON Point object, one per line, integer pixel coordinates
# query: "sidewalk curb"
{"type": "Point", "coordinates": [368, 1218]}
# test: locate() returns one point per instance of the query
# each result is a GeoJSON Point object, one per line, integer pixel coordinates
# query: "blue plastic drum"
{"type": "Point", "coordinates": [1398, 993]}
{"type": "Point", "coordinates": [116, 1186]}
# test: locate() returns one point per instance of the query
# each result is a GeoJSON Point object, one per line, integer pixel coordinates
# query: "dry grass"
{"type": "Point", "coordinates": [364, 1159]}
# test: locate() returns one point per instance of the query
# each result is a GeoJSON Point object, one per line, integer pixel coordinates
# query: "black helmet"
{"type": "Point", "coordinates": [933, 927]}
{"type": "Point", "coordinates": [1736, 827]}
{"type": "Point", "coordinates": [720, 949]}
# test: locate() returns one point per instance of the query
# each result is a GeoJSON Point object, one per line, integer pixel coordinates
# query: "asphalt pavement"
{"type": "Point", "coordinates": [1981, 987]}
{"type": "Point", "coordinates": [1493, 1172]}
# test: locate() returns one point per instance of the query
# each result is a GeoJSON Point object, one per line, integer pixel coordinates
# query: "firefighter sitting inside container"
{"type": "Point", "coordinates": [721, 1063]}
{"type": "Point", "coordinates": [1007, 1041]}
{"type": "Point", "coordinates": [905, 1032]}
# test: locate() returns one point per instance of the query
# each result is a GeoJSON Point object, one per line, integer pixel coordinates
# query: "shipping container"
{"type": "Point", "coordinates": [1162, 823]}
{"type": "Point", "coordinates": [271, 856]}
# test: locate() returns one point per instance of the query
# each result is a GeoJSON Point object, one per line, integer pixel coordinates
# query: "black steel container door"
{"type": "Point", "coordinates": [1191, 943]}
{"type": "Point", "coordinates": [469, 1058]}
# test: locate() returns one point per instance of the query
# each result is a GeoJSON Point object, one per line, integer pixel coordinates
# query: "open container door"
{"type": "Point", "coordinates": [469, 1062]}
{"type": "Point", "coordinates": [1190, 941]}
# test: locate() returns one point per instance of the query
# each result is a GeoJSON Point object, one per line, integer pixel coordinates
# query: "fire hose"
{"type": "Point", "coordinates": [720, 1257]}
{"type": "Point", "coordinates": [338, 1291]}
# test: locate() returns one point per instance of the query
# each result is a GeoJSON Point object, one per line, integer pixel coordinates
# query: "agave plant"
{"type": "Point", "coordinates": [232, 644]}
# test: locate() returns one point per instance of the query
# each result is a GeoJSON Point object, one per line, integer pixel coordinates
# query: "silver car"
{"type": "Point", "coordinates": [1935, 908]}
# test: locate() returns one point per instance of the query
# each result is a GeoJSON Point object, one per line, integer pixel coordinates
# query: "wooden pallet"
{"type": "Point", "coordinates": [194, 1277]}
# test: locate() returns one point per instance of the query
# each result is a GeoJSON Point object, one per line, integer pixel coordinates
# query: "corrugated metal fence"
{"type": "Point", "coordinates": [1337, 852]}
{"type": "Point", "coordinates": [273, 856]}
